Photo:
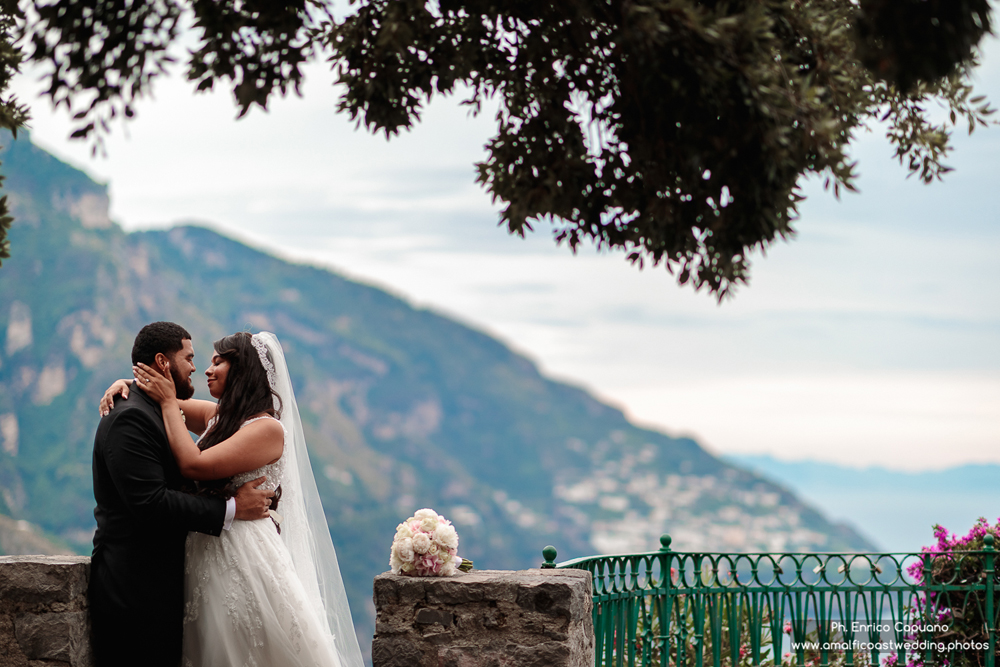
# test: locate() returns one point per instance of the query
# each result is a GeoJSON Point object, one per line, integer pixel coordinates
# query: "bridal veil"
{"type": "Point", "coordinates": [304, 528]}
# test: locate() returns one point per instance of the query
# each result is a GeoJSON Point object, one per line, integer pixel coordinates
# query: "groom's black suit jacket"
{"type": "Point", "coordinates": [137, 569]}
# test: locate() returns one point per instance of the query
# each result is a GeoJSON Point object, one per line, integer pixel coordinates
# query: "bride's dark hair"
{"type": "Point", "coordinates": [247, 392]}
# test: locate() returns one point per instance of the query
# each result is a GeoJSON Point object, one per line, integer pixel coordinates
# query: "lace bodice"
{"type": "Point", "coordinates": [273, 471]}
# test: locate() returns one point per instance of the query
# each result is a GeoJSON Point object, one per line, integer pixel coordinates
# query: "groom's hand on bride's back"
{"type": "Point", "coordinates": [252, 503]}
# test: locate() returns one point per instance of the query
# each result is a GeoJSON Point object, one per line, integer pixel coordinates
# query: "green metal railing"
{"type": "Point", "coordinates": [666, 608]}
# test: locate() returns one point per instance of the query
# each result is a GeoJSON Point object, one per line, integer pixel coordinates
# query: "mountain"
{"type": "Point", "coordinates": [21, 537]}
{"type": "Point", "coordinates": [403, 408]}
{"type": "Point", "coordinates": [896, 509]}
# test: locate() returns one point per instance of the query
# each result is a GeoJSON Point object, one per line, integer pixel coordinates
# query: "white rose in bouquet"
{"type": "Point", "coordinates": [422, 543]}
{"type": "Point", "coordinates": [404, 549]}
{"type": "Point", "coordinates": [450, 569]}
{"type": "Point", "coordinates": [446, 536]}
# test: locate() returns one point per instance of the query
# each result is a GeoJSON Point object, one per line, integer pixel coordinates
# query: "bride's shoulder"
{"type": "Point", "coordinates": [264, 424]}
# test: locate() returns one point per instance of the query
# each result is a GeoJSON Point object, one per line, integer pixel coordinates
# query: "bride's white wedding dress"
{"type": "Point", "coordinates": [254, 598]}
{"type": "Point", "coordinates": [244, 602]}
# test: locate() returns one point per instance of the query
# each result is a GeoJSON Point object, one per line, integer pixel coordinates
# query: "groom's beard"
{"type": "Point", "coordinates": [183, 385]}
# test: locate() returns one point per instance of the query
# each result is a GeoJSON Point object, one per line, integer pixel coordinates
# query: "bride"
{"type": "Point", "coordinates": [265, 592]}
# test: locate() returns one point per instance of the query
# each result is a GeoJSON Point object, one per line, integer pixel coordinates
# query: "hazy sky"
{"type": "Point", "coordinates": [873, 337]}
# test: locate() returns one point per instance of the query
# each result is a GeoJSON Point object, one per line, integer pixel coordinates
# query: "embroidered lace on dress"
{"type": "Point", "coordinates": [273, 471]}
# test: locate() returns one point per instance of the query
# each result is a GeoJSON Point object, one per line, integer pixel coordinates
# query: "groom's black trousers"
{"type": "Point", "coordinates": [136, 625]}
{"type": "Point", "coordinates": [137, 569]}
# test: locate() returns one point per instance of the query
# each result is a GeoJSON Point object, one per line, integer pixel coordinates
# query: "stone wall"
{"type": "Point", "coordinates": [43, 611]}
{"type": "Point", "coordinates": [530, 618]}
{"type": "Point", "coordinates": [489, 618]}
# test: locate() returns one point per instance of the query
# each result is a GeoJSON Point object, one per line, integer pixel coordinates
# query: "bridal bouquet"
{"type": "Point", "coordinates": [426, 545]}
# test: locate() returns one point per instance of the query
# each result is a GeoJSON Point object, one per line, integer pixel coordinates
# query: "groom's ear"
{"type": "Point", "coordinates": [161, 362]}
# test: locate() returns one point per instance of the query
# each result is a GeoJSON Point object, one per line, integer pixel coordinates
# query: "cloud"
{"type": "Point", "coordinates": [908, 421]}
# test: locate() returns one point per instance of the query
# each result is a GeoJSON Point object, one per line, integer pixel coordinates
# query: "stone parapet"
{"type": "Point", "coordinates": [528, 618]}
{"type": "Point", "coordinates": [43, 611]}
{"type": "Point", "coordinates": [489, 618]}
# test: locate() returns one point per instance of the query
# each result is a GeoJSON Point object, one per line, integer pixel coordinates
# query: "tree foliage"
{"type": "Point", "coordinates": [675, 130]}
{"type": "Point", "coordinates": [13, 115]}
{"type": "Point", "coordinates": [103, 55]}
{"type": "Point", "coordinates": [909, 41]}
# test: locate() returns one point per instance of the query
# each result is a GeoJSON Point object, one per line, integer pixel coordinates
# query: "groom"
{"type": "Point", "coordinates": [137, 569]}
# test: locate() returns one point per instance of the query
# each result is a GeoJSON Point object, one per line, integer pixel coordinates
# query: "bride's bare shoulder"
{"type": "Point", "coordinates": [265, 424]}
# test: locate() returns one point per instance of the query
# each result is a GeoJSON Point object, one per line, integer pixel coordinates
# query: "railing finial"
{"type": "Point", "coordinates": [988, 540]}
{"type": "Point", "coordinates": [665, 542]}
{"type": "Point", "coordinates": [549, 553]}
